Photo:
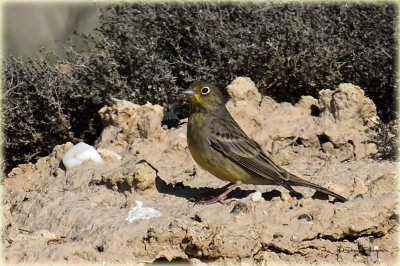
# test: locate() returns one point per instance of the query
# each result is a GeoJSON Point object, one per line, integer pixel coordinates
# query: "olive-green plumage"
{"type": "Point", "coordinates": [220, 146]}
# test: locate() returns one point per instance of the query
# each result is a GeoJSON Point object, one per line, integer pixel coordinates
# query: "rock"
{"type": "Point", "coordinates": [170, 120]}
{"type": "Point", "coordinates": [109, 154]}
{"type": "Point", "coordinates": [305, 217]}
{"type": "Point", "coordinates": [328, 147]}
{"type": "Point", "coordinates": [359, 196]}
{"type": "Point", "coordinates": [346, 117]}
{"type": "Point", "coordinates": [52, 215]}
{"type": "Point", "coordinates": [134, 120]}
{"type": "Point", "coordinates": [145, 177]}
{"type": "Point", "coordinates": [243, 91]}
{"type": "Point", "coordinates": [359, 186]}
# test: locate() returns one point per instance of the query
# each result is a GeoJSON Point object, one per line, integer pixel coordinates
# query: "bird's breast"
{"type": "Point", "coordinates": [197, 136]}
{"type": "Point", "coordinates": [208, 158]}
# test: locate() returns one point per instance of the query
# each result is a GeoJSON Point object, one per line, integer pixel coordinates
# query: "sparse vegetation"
{"type": "Point", "coordinates": [147, 52]}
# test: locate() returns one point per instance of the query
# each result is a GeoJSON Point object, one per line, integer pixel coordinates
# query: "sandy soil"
{"type": "Point", "coordinates": [79, 215]}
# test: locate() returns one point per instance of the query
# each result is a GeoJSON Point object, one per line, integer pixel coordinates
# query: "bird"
{"type": "Point", "coordinates": [220, 146]}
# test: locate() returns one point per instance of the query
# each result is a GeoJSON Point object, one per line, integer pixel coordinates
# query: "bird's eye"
{"type": "Point", "coordinates": [205, 90]}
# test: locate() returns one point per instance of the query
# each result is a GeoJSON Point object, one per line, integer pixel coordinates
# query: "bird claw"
{"type": "Point", "coordinates": [212, 201]}
{"type": "Point", "coordinates": [228, 188]}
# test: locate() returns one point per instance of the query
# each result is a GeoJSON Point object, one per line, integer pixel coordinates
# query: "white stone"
{"type": "Point", "coordinates": [79, 153]}
{"type": "Point", "coordinates": [139, 212]}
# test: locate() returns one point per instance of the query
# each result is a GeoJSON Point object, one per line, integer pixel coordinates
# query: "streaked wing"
{"type": "Point", "coordinates": [228, 138]}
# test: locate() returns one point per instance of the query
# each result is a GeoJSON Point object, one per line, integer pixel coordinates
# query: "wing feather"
{"type": "Point", "coordinates": [229, 139]}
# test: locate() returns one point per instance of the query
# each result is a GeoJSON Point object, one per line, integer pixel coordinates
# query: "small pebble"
{"type": "Point", "coordinates": [284, 197]}
{"type": "Point", "coordinates": [276, 235]}
{"type": "Point", "coordinates": [306, 217]}
{"type": "Point", "coordinates": [255, 196]}
{"type": "Point", "coordinates": [240, 207]}
{"type": "Point", "coordinates": [359, 196]}
{"type": "Point", "coordinates": [295, 237]}
{"type": "Point", "coordinates": [328, 147]}
{"type": "Point", "coordinates": [106, 153]}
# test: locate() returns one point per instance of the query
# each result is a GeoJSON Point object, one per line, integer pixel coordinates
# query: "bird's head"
{"type": "Point", "coordinates": [204, 96]}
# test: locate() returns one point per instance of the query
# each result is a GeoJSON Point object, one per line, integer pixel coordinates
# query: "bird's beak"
{"type": "Point", "coordinates": [189, 92]}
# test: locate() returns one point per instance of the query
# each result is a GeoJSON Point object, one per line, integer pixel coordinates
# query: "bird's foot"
{"type": "Point", "coordinates": [220, 198]}
{"type": "Point", "coordinates": [213, 200]}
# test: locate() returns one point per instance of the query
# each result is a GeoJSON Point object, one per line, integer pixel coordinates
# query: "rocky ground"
{"type": "Point", "coordinates": [78, 215]}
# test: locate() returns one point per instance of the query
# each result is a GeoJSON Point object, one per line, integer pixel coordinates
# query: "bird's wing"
{"type": "Point", "coordinates": [229, 139]}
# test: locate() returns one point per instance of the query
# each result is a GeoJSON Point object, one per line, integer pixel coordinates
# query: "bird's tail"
{"type": "Point", "coordinates": [297, 181]}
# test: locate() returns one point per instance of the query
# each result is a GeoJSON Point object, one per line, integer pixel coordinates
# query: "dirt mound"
{"type": "Point", "coordinates": [79, 215]}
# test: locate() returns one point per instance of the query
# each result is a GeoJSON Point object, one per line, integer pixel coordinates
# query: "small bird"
{"type": "Point", "coordinates": [220, 146]}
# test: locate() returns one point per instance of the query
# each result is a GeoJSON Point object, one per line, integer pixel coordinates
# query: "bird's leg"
{"type": "Point", "coordinates": [220, 198]}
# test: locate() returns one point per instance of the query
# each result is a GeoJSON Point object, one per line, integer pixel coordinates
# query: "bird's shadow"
{"type": "Point", "coordinates": [203, 193]}
{"type": "Point", "coordinates": [198, 194]}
